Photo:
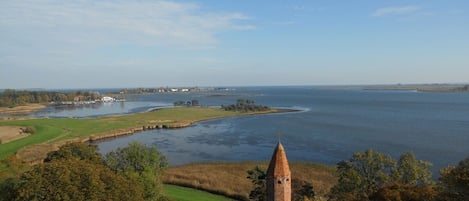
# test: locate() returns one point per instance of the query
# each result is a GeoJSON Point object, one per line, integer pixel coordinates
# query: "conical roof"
{"type": "Point", "coordinates": [278, 166]}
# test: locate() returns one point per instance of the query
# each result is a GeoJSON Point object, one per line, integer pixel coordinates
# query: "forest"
{"type": "Point", "coordinates": [13, 98]}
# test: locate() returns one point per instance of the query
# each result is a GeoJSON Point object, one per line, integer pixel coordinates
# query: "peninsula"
{"type": "Point", "coordinates": [50, 134]}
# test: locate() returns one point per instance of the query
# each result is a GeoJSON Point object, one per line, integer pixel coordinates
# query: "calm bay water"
{"type": "Point", "coordinates": [332, 125]}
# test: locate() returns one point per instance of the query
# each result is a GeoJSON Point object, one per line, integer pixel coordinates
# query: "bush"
{"type": "Point", "coordinates": [30, 130]}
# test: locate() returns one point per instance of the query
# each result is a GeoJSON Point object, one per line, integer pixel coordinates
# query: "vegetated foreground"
{"type": "Point", "coordinates": [179, 193]}
{"type": "Point", "coordinates": [52, 133]}
{"type": "Point", "coordinates": [230, 179]}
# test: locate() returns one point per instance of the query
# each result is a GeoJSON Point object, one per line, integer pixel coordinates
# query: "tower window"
{"type": "Point", "coordinates": [279, 182]}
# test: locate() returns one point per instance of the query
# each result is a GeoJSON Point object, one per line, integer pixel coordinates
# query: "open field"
{"type": "Point", "coordinates": [51, 133]}
{"type": "Point", "coordinates": [229, 179]}
{"type": "Point", "coordinates": [178, 193]}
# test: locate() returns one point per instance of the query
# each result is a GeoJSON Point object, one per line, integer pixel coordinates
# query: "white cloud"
{"type": "Point", "coordinates": [90, 22]}
{"type": "Point", "coordinates": [394, 11]}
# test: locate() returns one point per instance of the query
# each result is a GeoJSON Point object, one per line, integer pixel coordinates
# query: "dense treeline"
{"type": "Point", "coordinates": [12, 98]}
{"type": "Point", "coordinates": [245, 106]}
{"type": "Point", "coordinates": [79, 172]}
{"type": "Point", "coordinates": [372, 176]}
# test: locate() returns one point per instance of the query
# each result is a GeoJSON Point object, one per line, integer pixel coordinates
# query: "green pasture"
{"type": "Point", "coordinates": [54, 130]}
{"type": "Point", "coordinates": [178, 193]}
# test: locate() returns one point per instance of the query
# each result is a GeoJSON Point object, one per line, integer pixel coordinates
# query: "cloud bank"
{"type": "Point", "coordinates": [108, 22]}
{"type": "Point", "coordinates": [394, 11]}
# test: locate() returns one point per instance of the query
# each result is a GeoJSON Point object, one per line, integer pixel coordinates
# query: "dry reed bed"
{"type": "Point", "coordinates": [229, 179]}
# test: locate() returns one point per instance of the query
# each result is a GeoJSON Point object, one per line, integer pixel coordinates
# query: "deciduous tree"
{"type": "Point", "coordinates": [257, 176]}
{"type": "Point", "coordinates": [362, 175]}
{"type": "Point", "coordinates": [409, 170]}
{"type": "Point", "coordinates": [76, 150]}
{"type": "Point", "coordinates": [75, 179]}
{"type": "Point", "coordinates": [137, 161]}
{"type": "Point", "coordinates": [455, 182]}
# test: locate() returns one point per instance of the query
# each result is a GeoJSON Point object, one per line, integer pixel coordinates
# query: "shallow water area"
{"type": "Point", "coordinates": [98, 109]}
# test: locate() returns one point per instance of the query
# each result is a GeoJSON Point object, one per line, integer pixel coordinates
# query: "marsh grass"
{"type": "Point", "coordinates": [229, 179]}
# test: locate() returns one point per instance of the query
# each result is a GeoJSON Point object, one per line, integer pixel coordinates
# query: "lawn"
{"type": "Point", "coordinates": [178, 193]}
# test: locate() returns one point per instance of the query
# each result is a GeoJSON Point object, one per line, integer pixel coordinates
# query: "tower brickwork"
{"type": "Point", "coordinates": [279, 176]}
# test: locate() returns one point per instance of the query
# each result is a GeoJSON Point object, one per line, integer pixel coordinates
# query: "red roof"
{"type": "Point", "coordinates": [278, 166]}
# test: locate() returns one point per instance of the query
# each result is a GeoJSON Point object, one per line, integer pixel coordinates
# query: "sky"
{"type": "Point", "coordinates": [153, 43]}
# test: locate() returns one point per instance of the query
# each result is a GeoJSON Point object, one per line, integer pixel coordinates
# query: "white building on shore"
{"type": "Point", "coordinates": [107, 99]}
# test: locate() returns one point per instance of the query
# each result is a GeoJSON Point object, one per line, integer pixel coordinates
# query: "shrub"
{"type": "Point", "coordinates": [30, 130]}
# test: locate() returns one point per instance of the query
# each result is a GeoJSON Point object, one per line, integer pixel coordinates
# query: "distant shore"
{"type": "Point", "coordinates": [421, 87]}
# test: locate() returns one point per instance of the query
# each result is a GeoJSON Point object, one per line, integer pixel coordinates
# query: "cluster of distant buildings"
{"type": "Point", "coordinates": [159, 90]}
{"type": "Point", "coordinates": [82, 100]}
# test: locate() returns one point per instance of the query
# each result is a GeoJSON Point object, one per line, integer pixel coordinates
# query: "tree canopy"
{"type": "Point", "coordinates": [76, 150]}
{"type": "Point", "coordinates": [455, 182]}
{"type": "Point", "coordinates": [78, 172]}
{"type": "Point", "coordinates": [76, 180]}
{"type": "Point", "coordinates": [142, 163]}
{"type": "Point", "coordinates": [12, 98]}
{"type": "Point", "coordinates": [370, 175]}
{"type": "Point", "coordinates": [245, 105]}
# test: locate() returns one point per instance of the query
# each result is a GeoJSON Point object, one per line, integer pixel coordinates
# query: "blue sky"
{"type": "Point", "coordinates": [152, 43]}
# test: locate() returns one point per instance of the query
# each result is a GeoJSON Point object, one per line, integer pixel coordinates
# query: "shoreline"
{"type": "Point", "coordinates": [35, 153]}
{"type": "Point", "coordinates": [184, 124]}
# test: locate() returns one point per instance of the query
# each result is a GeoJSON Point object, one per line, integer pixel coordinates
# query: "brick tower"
{"type": "Point", "coordinates": [279, 176]}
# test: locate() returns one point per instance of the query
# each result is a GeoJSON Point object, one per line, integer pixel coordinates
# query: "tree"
{"type": "Point", "coordinates": [409, 170]}
{"type": "Point", "coordinates": [195, 102]}
{"type": "Point", "coordinates": [455, 182]}
{"type": "Point", "coordinates": [76, 150]}
{"type": "Point", "coordinates": [395, 191]}
{"type": "Point", "coordinates": [374, 176]}
{"type": "Point", "coordinates": [75, 179]}
{"type": "Point", "coordinates": [258, 177]}
{"type": "Point", "coordinates": [362, 175]}
{"type": "Point", "coordinates": [302, 190]}
{"type": "Point", "coordinates": [145, 164]}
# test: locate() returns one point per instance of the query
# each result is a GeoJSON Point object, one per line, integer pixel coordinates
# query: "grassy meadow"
{"type": "Point", "coordinates": [179, 193]}
{"type": "Point", "coordinates": [229, 179]}
{"type": "Point", "coordinates": [49, 131]}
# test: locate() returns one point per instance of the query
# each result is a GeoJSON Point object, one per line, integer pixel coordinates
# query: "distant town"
{"type": "Point", "coordinates": [169, 90]}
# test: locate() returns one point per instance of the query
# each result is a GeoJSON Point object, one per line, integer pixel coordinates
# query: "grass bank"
{"type": "Point", "coordinates": [229, 179]}
{"type": "Point", "coordinates": [179, 193]}
{"type": "Point", "coordinates": [51, 133]}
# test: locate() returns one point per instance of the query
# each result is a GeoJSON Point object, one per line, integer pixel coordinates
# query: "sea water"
{"type": "Point", "coordinates": [332, 124]}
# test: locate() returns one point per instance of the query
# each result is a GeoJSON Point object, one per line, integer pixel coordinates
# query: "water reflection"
{"type": "Point", "coordinates": [98, 109]}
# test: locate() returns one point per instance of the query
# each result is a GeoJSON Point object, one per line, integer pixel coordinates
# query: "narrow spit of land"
{"type": "Point", "coordinates": [52, 133]}
{"type": "Point", "coordinates": [24, 109]}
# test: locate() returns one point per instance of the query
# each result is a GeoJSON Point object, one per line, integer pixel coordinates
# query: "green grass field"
{"type": "Point", "coordinates": [178, 193]}
{"type": "Point", "coordinates": [56, 130]}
